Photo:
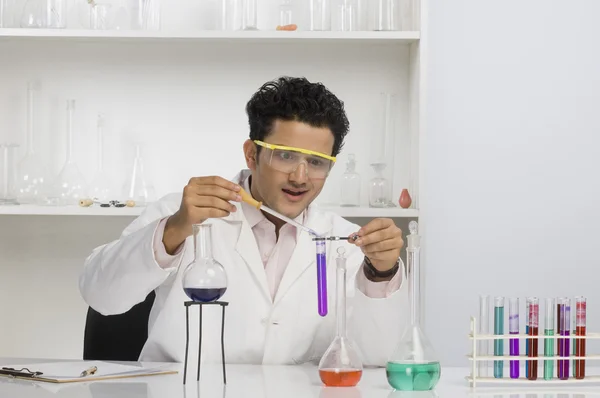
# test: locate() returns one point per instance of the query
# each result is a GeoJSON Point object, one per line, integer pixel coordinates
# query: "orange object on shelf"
{"type": "Point", "coordinates": [287, 27]}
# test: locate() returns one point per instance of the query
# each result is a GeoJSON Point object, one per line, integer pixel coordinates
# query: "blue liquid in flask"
{"type": "Point", "coordinates": [205, 295]}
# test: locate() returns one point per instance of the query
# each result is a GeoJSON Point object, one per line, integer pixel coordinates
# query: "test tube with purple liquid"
{"type": "Point", "coordinates": [322, 277]}
{"type": "Point", "coordinates": [513, 328]}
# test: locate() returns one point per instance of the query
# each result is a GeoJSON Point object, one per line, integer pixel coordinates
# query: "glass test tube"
{"type": "Point", "coordinates": [559, 341]}
{"type": "Point", "coordinates": [513, 328]}
{"type": "Point", "coordinates": [580, 325]}
{"type": "Point", "coordinates": [499, 330]}
{"type": "Point", "coordinates": [549, 343]}
{"type": "Point", "coordinates": [484, 328]}
{"type": "Point", "coordinates": [565, 331]}
{"type": "Point", "coordinates": [573, 340]}
{"type": "Point", "coordinates": [321, 277]}
{"type": "Point", "coordinates": [533, 330]}
{"type": "Point", "coordinates": [527, 341]}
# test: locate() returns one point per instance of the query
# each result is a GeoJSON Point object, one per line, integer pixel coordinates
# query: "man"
{"type": "Point", "coordinates": [296, 130]}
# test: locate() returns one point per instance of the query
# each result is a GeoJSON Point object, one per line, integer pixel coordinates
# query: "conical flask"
{"type": "Point", "coordinates": [101, 186]}
{"type": "Point", "coordinates": [340, 366]}
{"type": "Point", "coordinates": [137, 187]}
{"type": "Point", "coordinates": [70, 185]}
{"type": "Point", "coordinates": [204, 279]}
{"type": "Point", "coordinates": [414, 365]}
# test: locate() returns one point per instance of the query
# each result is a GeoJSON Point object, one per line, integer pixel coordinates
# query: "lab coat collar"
{"type": "Point", "coordinates": [304, 253]}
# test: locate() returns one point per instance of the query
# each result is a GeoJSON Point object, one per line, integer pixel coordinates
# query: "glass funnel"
{"type": "Point", "coordinates": [137, 187]}
{"type": "Point", "coordinates": [31, 173]}
{"type": "Point", "coordinates": [414, 365]}
{"type": "Point", "coordinates": [101, 187]}
{"type": "Point", "coordinates": [70, 185]}
{"type": "Point", "coordinates": [379, 187]}
{"type": "Point", "coordinates": [340, 366]}
{"type": "Point", "coordinates": [204, 279]}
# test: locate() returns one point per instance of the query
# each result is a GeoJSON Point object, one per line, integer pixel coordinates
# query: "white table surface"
{"type": "Point", "coordinates": [253, 381]}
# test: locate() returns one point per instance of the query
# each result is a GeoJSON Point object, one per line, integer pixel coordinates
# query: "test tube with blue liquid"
{"type": "Point", "coordinates": [513, 328]}
{"type": "Point", "coordinates": [566, 331]}
{"type": "Point", "coordinates": [499, 331]}
{"type": "Point", "coordinates": [321, 277]}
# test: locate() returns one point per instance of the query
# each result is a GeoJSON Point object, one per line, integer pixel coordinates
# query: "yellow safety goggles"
{"type": "Point", "coordinates": [287, 159]}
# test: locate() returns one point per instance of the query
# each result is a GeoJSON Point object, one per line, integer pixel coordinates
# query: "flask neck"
{"type": "Point", "coordinates": [203, 241]}
{"type": "Point", "coordinates": [341, 297]}
{"type": "Point", "coordinates": [414, 288]}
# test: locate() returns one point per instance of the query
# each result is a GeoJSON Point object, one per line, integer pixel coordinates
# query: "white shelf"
{"type": "Point", "coordinates": [398, 37]}
{"type": "Point", "coordinates": [370, 212]}
{"type": "Point", "coordinates": [33, 210]}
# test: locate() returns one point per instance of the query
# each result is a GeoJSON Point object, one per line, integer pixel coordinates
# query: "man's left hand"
{"type": "Point", "coordinates": [381, 241]}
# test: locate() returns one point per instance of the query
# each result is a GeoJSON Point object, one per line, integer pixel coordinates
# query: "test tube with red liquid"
{"type": "Point", "coordinates": [533, 330]}
{"type": "Point", "coordinates": [580, 324]}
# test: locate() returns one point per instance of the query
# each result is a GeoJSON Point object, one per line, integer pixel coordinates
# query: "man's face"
{"type": "Point", "coordinates": [288, 193]}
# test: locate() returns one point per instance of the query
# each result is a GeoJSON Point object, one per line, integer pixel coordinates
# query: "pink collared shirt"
{"type": "Point", "coordinates": [275, 252]}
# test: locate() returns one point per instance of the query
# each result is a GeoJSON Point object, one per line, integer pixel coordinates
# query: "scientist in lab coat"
{"type": "Point", "coordinates": [296, 129]}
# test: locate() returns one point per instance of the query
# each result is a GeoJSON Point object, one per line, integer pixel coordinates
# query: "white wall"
{"type": "Point", "coordinates": [511, 170]}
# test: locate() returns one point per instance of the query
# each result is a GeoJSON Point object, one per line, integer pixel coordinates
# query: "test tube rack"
{"type": "Point", "coordinates": [474, 377]}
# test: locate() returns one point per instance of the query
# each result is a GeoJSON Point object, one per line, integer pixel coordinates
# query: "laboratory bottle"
{"type": "Point", "coordinates": [413, 366]}
{"type": "Point", "coordinates": [341, 365]}
{"type": "Point", "coordinates": [204, 279]}
{"type": "Point", "coordinates": [350, 186]}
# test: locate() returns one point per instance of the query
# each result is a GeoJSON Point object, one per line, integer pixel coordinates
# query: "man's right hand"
{"type": "Point", "coordinates": [203, 198]}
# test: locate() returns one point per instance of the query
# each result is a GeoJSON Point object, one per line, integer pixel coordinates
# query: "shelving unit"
{"type": "Point", "coordinates": [260, 36]}
{"type": "Point", "coordinates": [182, 90]}
{"type": "Point", "coordinates": [32, 210]}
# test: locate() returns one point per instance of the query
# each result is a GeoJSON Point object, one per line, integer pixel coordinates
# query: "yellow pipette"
{"type": "Point", "coordinates": [246, 197]}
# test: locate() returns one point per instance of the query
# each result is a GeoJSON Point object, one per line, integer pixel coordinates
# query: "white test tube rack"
{"type": "Point", "coordinates": [474, 377]}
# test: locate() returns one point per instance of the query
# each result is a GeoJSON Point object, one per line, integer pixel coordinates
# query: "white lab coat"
{"type": "Point", "coordinates": [258, 330]}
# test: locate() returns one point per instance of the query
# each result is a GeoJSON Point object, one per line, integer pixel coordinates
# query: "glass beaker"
{"type": "Point", "coordinates": [345, 18]}
{"type": "Point", "coordinates": [34, 14]}
{"type": "Point", "coordinates": [145, 14]}
{"type": "Point", "coordinates": [101, 187]}
{"type": "Point", "coordinates": [204, 279]}
{"type": "Point", "coordinates": [56, 14]}
{"type": "Point", "coordinates": [137, 187]}
{"type": "Point", "coordinates": [231, 15]}
{"type": "Point", "coordinates": [249, 14]}
{"type": "Point", "coordinates": [385, 15]}
{"type": "Point", "coordinates": [70, 185]}
{"type": "Point", "coordinates": [285, 13]}
{"type": "Point", "coordinates": [413, 366]}
{"type": "Point", "coordinates": [8, 195]}
{"type": "Point", "coordinates": [340, 366]}
{"type": "Point", "coordinates": [99, 16]}
{"type": "Point", "coordinates": [320, 15]}
{"type": "Point", "coordinates": [31, 173]}
{"type": "Point", "coordinates": [350, 186]}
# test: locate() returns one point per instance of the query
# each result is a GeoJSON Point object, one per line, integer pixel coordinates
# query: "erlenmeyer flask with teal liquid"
{"type": "Point", "coordinates": [413, 366]}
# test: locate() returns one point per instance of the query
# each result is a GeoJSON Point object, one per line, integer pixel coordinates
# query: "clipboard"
{"type": "Point", "coordinates": [69, 372]}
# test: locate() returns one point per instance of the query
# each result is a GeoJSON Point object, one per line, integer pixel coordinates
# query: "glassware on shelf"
{"type": "Point", "coordinates": [350, 186]}
{"type": "Point", "coordinates": [31, 178]}
{"type": "Point", "coordinates": [340, 366]}
{"type": "Point", "coordinates": [204, 279]}
{"type": "Point", "coordinates": [413, 366]}
{"type": "Point", "coordinates": [379, 187]}
{"type": "Point", "coordinates": [101, 187]}
{"type": "Point", "coordinates": [285, 13]}
{"type": "Point", "coordinates": [44, 14]}
{"type": "Point", "coordinates": [4, 14]}
{"type": "Point", "coordinates": [385, 15]}
{"type": "Point", "coordinates": [70, 185]}
{"type": "Point", "coordinates": [320, 15]}
{"type": "Point", "coordinates": [8, 195]}
{"type": "Point", "coordinates": [231, 15]}
{"type": "Point", "coordinates": [346, 15]}
{"type": "Point", "coordinates": [137, 188]}
{"type": "Point", "coordinates": [145, 14]}
{"type": "Point", "coordinates": [249, 14]}
{"type": "Point", "coordinates": [100, 16]}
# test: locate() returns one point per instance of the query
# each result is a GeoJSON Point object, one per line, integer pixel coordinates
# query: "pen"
{"type": "Point", "coordinates": [89, 371]}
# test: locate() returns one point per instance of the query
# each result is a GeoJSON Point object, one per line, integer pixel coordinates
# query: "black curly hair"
{"type": "Point", "coordinates": [295, 98]}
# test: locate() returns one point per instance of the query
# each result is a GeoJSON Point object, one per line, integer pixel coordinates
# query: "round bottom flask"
{"type": "Point", "coordinates": [204, 279]}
